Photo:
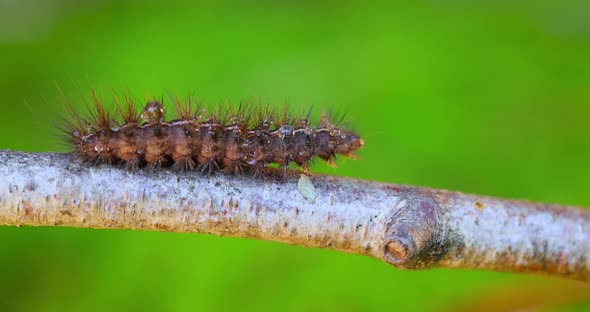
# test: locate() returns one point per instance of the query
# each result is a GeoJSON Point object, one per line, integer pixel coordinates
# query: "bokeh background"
{"type": "Point", "coordinates": [489, 97]}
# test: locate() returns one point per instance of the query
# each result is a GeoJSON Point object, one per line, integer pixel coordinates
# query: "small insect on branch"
{"type": "Point", "coordinates": [245, 140]}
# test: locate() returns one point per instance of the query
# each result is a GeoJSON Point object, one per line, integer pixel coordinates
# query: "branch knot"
{"type": "Point", "coordinates": [414, 232]}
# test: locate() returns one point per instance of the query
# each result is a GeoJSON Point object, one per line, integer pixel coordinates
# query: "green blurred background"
{"type": "Point", "coordinates": [489, 97]}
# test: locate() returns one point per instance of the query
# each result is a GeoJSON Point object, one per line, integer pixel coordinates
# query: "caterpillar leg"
{"type": "Point", "coordinates": [184, 164]}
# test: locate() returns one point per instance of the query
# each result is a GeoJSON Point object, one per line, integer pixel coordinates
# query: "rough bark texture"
{"type": "Point", "coordinates": [409, 227]}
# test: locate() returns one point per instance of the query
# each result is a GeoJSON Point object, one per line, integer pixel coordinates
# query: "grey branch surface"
{"type": "Point", "coordinates": [408, 227]}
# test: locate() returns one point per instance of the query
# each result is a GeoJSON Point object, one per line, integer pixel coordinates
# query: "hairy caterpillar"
{"type": "Point", "coordinates": [246, 139]}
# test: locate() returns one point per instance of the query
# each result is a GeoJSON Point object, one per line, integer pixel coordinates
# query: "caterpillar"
{"type": "Point", "coordinates": [247, 139]}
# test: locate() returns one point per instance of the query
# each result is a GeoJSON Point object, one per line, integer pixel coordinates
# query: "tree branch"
{"type": "Point", "coordinates": [409, 227]}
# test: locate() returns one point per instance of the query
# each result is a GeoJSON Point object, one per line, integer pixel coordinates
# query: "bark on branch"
{"type": "Point", "coordinates": [409, 227]}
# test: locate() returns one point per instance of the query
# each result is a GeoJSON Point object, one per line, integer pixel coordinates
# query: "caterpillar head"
{"type": "Point", "coordinates": [346, 142]}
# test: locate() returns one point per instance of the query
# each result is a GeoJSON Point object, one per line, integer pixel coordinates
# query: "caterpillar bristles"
{"type": "Point", "coordinates": [128, 110]}
{"type": "Point", "coordinates": [250, 138]}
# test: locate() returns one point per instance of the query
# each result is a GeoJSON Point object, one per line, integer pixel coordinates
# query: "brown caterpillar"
{"type": "Point", "coordinates": [242, 140]}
